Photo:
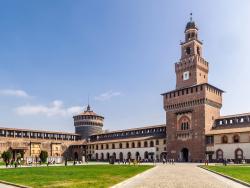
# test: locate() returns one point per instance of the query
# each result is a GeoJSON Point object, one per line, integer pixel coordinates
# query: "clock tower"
{"type": "Point", "coordinates": [194, 104]}
{"type": "Point", "coordinates": [192, 69]}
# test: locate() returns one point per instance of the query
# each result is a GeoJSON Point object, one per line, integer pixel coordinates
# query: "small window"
{"type": "Point", "coordinates": [139, 144]}
{"type": "Point", "coordinates": [224, 139]}
{"type": "Point", "coordinates": [164, 141]}
{"type": "Point", "coordinates": [198, 50]}
{"type": "Point", "coordinates": [188, 50]}
{"type": "Point", "coordinates": [151, 144]}
{"type": "Point", "coordinates": [127, 145]}
{"type": "Point", "coordinates": [133, 145]}
{"type": "Point", "coordinates": [236, 139]}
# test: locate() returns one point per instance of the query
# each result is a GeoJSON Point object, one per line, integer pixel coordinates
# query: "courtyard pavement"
{"type": "Point", "coordinates": [6, 186]}
{"type": "Point", "coordinates": [180, 175]}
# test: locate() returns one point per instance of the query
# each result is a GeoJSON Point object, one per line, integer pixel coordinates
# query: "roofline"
{"type": "Point", "coordinates": [131, 129]}
{"type": "Point", "coordinates": [193, 86]}
{"type": "Point", "coordinates": [131, 139]}
{"type": "Point", "coordinates": [234, 115]}
{"type": "Point", "coordinates": [33, 130]}
{"type": "Point", "coordinates": [81, 114]}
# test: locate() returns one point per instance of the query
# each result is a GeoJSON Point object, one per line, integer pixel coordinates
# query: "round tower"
{"type": "Point", "coordinates": [88, 123]}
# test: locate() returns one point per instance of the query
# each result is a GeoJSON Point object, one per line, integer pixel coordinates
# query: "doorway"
{"type": "Point", "coordinates": [184, 154]}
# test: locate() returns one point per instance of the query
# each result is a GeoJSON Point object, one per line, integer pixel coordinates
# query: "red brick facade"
{"type": "Point", "coordinates": [194, 105]}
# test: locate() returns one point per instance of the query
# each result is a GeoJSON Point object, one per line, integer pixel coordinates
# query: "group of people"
{"type": "Point", "coordinates": [166, 161]}
{"type": "Point", "coordinates": [13, 163]}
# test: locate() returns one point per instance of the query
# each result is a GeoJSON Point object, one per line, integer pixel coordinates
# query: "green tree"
{"type": "Point", "coordinates": [43, 156]}
{"type": "Point", "coordinates": [7, 155]}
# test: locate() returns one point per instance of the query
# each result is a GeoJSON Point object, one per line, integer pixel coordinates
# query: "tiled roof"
{"type": "Point", "coordinates": [32, 130]}
{"type": "Point", "coordinates": [228, 129]}
{"type": "Point", "coordinates": [132, 129]}
{"type": "Point", "coordinates": [234, 115]}
{"type": "Point", "coordinates": [125, 140]}
{"type": "Point", "coordinates": [89, 112]}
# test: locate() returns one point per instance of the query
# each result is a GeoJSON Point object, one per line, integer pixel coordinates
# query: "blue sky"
{"type": "Point", "coordinates": [53, 54]}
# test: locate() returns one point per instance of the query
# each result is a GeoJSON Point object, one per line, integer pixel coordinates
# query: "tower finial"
{"type": "Point", "coordinates": [88, 107]}
{"type": "Point", "coordinates": [191, 18]}
{"type": "Point", "coordinates": [88, 99]}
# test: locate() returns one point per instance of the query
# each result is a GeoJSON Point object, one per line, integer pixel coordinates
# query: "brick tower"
{"type": "Point", "coordinates": [87, 123]}
{"type": "Point", "coordinates": [192, 107]}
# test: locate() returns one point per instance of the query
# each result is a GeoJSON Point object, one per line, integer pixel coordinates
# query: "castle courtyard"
{"type": "Point", "coordinates": [124, 94]}
{"type": "Point", "coordinates": [178, 175]}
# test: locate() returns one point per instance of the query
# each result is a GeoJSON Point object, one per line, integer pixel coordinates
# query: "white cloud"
{"type": "Point", "coordinates": [55, 108]}
{"type": "Point", "coordinates": [107, 95]}
{"type": "Point", "coordinates": [12, 92]}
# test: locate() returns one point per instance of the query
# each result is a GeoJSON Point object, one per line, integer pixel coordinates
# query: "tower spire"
{"type": "Point", "coordinates": [88, 107]}
{"type": "Point", "coordinates": [191, 17]}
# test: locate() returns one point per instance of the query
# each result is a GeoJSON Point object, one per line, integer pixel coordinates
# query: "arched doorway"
{"type": "Point", "coordinates": [137, 155]}
{"type": "Point", "coordinates": [146, 155]}
{"type": "Point", "coordinates": [102, 156]}
{"type": "Point", "coordinates": [114, 156]}
{"type": "Point", "coordinates": [184, 154]}
{"type": "Point", "coordinates": [96, 156]}
{"type": "Point", "coordinates": [238, 155]}
{"type": "Point", "coordinates": [76, 156]}
{"type": "Point", "coordinates": [129, 155]}
{"type": "Point", "coordinates": [107, 156]}
{"type": "Point", "coordinates": [121, 156]}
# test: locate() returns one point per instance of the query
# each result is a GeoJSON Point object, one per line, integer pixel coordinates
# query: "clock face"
{"type": "Point", "coordinates": [186, 75]}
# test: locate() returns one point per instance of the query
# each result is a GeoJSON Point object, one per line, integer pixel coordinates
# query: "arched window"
{"type": "Point", "coordinates": [157, 142]}
{"type": "Point", "coordinates": [238, 154]}
{"type": "Point", "coordinates": [198, 50]}
{"type": "Point", "coordinates": [139, 144]}
{"type": "Point", "coordinates": [145, 144]}
{"type": "Point", "coordinates": [224, 139]}
{"type": "Point", "coordinates": [107, 155]}
{"type": "Point", "coordinates": [151, 144]}
{"type": "Point", "coordinates": [107, 146]}
{"type": "Point", "coordinates": [219, 154]}
{"type": "Point", "coordinates": [96, 156]}
{"type": "Point", "coordinates": [133, 145]}
{"type": "Point", "coordinates": [188, 50]}
{"type": "Point", "coordinates": [120, 145]}
{"type": "Point", "coordinates": [184, 123]}
{"type": "Point", "coordinates": [236, 138]}
{"type": "Point", "coordinates": [127, 145]}
{"type": "Point", "coordinates": [102, 156]}
{"type": "Point", "coordinates": [113, 146]}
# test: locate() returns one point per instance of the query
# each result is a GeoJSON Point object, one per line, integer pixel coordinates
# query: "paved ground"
{"type": "Point", "coordinates": [6, 186]}
{"type": "Point", "coordinates": [178, 176]}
